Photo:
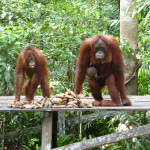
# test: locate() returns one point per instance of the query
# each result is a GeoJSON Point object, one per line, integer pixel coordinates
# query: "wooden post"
{"type": "Point", "coordinates": [47, 131]}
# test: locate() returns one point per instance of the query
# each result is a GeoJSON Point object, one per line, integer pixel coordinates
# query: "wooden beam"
{"type": "Point", "coordinates": [47, 131]}
{"type": "Point", "coordinates": [107, 139]}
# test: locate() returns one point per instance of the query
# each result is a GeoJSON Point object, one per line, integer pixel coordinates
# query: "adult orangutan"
{"type": "Point", "coordinates": [32, 64]}
{"type": "Point", "coordinates": [101, 59]}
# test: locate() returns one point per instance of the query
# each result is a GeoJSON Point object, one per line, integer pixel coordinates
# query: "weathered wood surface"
{"type": "Point", "coordinates": [138, 103]}
{"type": "Point", "coordinates": [47, 130]}
{"type": "Point", "coordinates": [107, 139]}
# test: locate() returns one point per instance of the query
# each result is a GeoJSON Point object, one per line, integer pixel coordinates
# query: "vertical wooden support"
{"type": "Point", "coordinates": [47, 131]}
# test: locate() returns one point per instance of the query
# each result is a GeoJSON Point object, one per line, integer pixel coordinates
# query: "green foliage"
{"type": "Point", "coordinates": [108, 125]}
{"type": "Point", "coordinates": [58, 28]}
{"type": "Point", "coordinates": [143, 14]}
{"type": "Point", "coordinates": [126, 48]}
{"type": "Point", "coordinates": [32, 144]}
{"type": "Point", "coordinates": [130, 121]}
{"type": "Point", "coordinates": [144, 79]}
{"type": "Point", "coordinates": [19, 121]}
{"type": "Point", "coordinates": [67, 139]}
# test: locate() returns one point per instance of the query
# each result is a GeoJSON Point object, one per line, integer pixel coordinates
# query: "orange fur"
{"type": "Point", "coordinates": [37, 76]}
{"type": "Point", "coordinates": [110, 71]}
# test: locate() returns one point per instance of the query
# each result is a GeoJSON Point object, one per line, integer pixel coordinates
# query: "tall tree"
{"type": "Point", "coordinates": [129, 31]}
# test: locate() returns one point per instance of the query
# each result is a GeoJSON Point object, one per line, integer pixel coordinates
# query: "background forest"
{"type": "Point", "coordinates": [58, 27]}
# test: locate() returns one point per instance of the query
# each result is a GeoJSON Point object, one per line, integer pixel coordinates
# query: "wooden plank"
{"type": "Point", "coordinates": [123, 108]}
{"type": "Point", "coordinates": [47, 131]}
{"type": "Point", "coordinates": [138, 103]}
{"type": "Point", "coordinates": [107, 139]}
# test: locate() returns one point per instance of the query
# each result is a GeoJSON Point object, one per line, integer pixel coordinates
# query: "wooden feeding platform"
{"type": "Point", "coordinates": [138, 103]}
{"type": "Point", "coordinates": [49, 130]}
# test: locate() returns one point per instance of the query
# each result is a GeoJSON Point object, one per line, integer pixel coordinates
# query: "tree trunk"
{"type": "Point", "coordinates": [129, 31]}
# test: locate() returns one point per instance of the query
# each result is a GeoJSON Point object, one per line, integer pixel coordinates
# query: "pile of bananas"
{"type": "Point", "coordinates": [67, 100]}
{"type": "Point", "coordinates": [64, 100]}
{"type": "Point", "coordinates": [33, 105]}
